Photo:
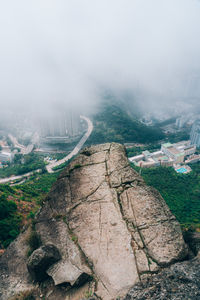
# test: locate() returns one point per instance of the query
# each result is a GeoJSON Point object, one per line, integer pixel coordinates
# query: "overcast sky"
{"type": "Point", "coordinates": [61, 51]}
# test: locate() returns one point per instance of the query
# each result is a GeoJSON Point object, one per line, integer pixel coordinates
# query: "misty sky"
{"type": "Point", "coordinates": [67, 52]}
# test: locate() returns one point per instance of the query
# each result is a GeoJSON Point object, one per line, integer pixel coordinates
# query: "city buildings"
{"type": "Point", "coordinates": [173, 152]}
{"type": "Point", "coordinates": [60, 126]}
{"type": "Point", "coordinates": [6, 157]}
{"type": "Point", "coordinates": [180, 122]}
{"type": "Point", "coordinates": [175, 155]}
{"type": "Point", "coordinates": [5, 154]}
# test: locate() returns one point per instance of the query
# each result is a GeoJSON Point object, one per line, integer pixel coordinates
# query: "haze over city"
{"type": "Point", "coordinates": [68, 52]}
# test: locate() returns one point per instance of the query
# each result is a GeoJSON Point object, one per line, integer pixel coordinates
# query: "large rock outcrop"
{"type": "Point", "coordinates": [108, 228]}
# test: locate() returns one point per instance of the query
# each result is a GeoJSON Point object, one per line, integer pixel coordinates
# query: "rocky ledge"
{"type": "Point", "coordinates": [101, 231]}
{"type": "Point", "coordinates": [181, 281]}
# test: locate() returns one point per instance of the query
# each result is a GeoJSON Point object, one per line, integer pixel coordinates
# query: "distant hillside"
{"type": "Point", "coordinates": [114, 124]}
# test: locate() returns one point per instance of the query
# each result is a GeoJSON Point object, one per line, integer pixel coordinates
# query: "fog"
{"type": "Point", "coordinates": [63, 53]}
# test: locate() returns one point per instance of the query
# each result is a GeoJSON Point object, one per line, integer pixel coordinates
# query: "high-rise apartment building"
{"type": "Point", "coordinates": [60, 124]}
{"type": "Point", "coordinates": [195, 133]}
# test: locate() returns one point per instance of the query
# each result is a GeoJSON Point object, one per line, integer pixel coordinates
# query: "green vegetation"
{"type": "Point", "coordinates": [9, 221]}
{"type": "Point", "coordinates": [58, 156]}
{"type": "Point", "coordinates": [33, 241]}
{"type": "Point", "coordinates": [180, 191]}
{"type": "Point", "coordinates": [9, 142]}
{"type": "Point", "coordinates": [19, 203]}
{"type": "Point", "coordinates": [74, 238]}
{"type": "Point", "coordinates": [37, 187]}
{"type": "Point", "coordinates": [138, 150]}
{"type": "Point", "coordinates": [61, 166]}
{"type": "Point", "coordinates": [89, 293]}
{"type": "Point", "coordinates": [23, 164]}
{"type": "Point", "coordinates": [114, 124]}
{"type": "Point", "coordinates": [167, 122]}
{"type": "Point", "coordinates": [176, 137]}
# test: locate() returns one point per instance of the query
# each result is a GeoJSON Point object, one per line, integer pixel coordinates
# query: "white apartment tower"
{"type": "Point", "coordinates": [195, 134]}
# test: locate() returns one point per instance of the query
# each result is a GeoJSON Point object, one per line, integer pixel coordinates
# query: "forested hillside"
{"type": "Point", "coordinates": [114, 124]}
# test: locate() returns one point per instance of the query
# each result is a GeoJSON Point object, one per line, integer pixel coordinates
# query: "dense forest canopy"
{"type": "Point", "coordinates": [114, 124]}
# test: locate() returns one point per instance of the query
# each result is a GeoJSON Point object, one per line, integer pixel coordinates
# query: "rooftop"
{"type": "Point", "coordinates": [173, 150]}
{"type": "Point", "coordinates": [147, 153]}
{"type": "Point", "coordinates": [166, 145]}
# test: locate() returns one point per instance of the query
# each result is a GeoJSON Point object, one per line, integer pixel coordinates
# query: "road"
{"type": "Point", "coordinates": [50, 166]}
{"type": "Point", "coordinates": [16, 177]}
{"type": "Point", "coordinates": [75, 151]}
{"type": "Point", "coordinates": [23, 149]}
{"type": "Point", "coordinates": [16, 144]}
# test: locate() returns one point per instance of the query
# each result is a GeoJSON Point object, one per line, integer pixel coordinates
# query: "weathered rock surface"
{"type": "Point", "coordinates": [179, 282]}
{"type": "Point", "coordinates": [106, 224]}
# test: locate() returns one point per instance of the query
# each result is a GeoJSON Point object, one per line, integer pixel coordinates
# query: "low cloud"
{"type": "Point", "coordinates": [64, 53]}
